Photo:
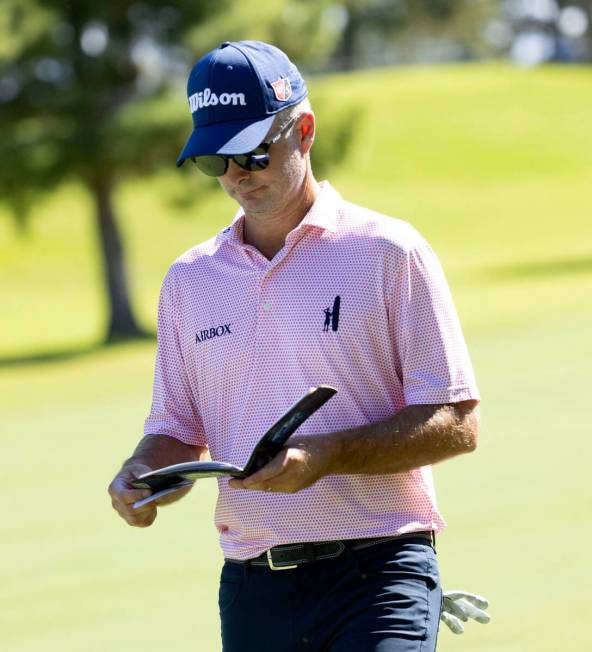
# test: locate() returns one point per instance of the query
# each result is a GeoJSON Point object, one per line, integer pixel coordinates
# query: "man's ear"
{"type": "Point", "coordinates": [307, 132]}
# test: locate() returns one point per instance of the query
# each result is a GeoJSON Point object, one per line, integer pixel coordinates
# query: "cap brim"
{"type": "Point", "coordinates": [226, 138]}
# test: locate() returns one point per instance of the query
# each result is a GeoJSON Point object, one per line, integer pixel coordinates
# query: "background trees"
{"type": "Point", "coordinates": [84, 90]}
{"type": "Point", "coordinates": [93, 92]}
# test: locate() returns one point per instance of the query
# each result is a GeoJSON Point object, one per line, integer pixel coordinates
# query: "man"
{"type": "Point", "coordinates": [330, 545]}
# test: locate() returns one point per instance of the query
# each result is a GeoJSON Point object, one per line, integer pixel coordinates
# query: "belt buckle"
{"type": "Point", "coordinates": [277, 568]}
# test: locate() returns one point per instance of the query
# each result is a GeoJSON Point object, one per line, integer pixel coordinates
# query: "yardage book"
{"type": "Point", "coordinates": [172, 478]}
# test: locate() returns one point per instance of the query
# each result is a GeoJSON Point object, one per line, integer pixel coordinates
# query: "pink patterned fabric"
{"type": "Point", "coordinates": [242, 338]}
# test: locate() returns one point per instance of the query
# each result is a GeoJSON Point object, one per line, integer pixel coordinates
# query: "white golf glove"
{"type": "Point", "coordinates": [459, 606]}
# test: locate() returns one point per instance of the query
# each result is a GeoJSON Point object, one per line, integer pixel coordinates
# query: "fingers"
{"type": "Point", "coordinates": [292, 469]}
{"type": "Point", "coordinates": [166, 496]}
{"type": "Point", "coordinates": [453, 623]}
{"type": "Point", "coordinates": [288, 472]}
{"type": "Point", "coordinates": [236, 483]}
{"type": "Point", "coordinates": [261, 479]}
{"type": "Point", "coordinates": [123, 493]}
{"type": "Point", "coordinates": [123, 496]}
{"type": "Point", "coordinates": [141, 517]}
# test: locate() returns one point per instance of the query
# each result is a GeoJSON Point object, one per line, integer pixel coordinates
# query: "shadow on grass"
{"type": "Point", "coordinates": [537, 269]}
{"type": "Point", "coordinates": [63, 355]}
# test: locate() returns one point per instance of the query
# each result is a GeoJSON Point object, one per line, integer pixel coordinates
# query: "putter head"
{"type": "Point", "coordinates": [274, 439]}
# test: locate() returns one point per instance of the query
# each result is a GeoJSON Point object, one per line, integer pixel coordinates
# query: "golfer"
{"type": "Point", "coordinates": [330, 546]}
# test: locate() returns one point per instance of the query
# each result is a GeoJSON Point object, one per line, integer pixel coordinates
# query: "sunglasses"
{"type": "Point", "coordinates": [216, 165]}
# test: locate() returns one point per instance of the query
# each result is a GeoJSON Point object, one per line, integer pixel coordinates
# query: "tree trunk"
{"type": "Point", "coordinates": [346, 54]}
{"type": "Point", "coordinates": [122, 323]}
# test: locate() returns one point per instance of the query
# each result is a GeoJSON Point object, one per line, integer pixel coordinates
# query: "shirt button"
{"type": "Point", "coordinates": [266, 307]}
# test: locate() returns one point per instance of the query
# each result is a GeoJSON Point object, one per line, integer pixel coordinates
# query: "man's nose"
{"type": "Point", "coordinates": [235, 172]}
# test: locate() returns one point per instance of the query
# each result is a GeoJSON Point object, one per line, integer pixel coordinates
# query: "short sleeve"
{"type": "Point", "coordinates": [430, 349]}
{"type": "Point", "coordinates": [173, 410]}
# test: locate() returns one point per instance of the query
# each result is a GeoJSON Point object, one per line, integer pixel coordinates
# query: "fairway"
{"type": "Point", "coordinates": [493, 165]}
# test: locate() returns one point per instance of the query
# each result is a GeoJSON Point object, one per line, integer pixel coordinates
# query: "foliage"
{"type": "Point", "coordinates": [338, 123]}
{"type": "Point", "coordinates": [86, 94]}
{"type": "Point", "coordinates": [93, 92]}
{"type": "Point", "coordinates": [302, 28]}
{"type": "Point", "coordinates": [73, 75]}
{"type": "Point", "coordinates": [68, 81]}
{"type": "Point", "coordinates": [388, 31]}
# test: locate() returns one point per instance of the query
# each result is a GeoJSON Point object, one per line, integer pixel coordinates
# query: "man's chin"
{"type": "Point", "coordinates": [254, 204]}
{"type": "Point", "coordinates": [254, 209]}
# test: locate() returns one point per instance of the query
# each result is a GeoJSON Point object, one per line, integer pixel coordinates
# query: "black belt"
{"type": "Point", "coordinates": [291, 555]}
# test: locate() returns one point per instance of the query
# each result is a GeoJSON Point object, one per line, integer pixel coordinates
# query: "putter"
{"type": "Point", "coordinates": [172, 478]}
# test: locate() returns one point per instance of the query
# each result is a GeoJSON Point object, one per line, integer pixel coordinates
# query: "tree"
{"type": "Point", "coordinates": [71, 75]}
{"type": "Point", "coordinates": [371, 26]}
{"type": "Point", "coordinates": [83, 96]}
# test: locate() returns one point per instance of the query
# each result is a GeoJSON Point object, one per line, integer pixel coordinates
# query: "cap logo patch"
{"type": "Point", "coordinates": [282, 89]}
{"type": "Point", "coordinates": [206, 98]}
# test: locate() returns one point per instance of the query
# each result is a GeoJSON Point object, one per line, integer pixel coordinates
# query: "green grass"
{"type": "Point", "coordinates": [493, 165]}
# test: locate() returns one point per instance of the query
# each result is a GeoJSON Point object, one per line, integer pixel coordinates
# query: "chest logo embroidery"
{"type": "Point", "coordinates": [332, 316]}
{"type": "Point", "coordinates": [210, 333]}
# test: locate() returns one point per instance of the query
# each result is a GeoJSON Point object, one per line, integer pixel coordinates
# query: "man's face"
{"type": "Point", "coordinates": [270, 191]}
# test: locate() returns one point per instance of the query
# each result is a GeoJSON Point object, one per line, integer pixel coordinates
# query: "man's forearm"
{"type": "Point", "coordinates": [161, 450]}
{"type": "Point", "coordinates": [416, 436]}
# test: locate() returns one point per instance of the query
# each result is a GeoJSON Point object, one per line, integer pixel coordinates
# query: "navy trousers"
{"type": "Point", "coordinates": [384, 598]}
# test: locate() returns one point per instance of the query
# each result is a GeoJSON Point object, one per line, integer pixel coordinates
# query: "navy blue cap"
{"type": "Point", "coordinates": [234, 93]}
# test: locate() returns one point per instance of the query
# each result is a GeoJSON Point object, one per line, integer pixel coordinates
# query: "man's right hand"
{"type": "Point", "coordinates": [153, 452]}
{"type": "Point", "coordinates": [123, 496]}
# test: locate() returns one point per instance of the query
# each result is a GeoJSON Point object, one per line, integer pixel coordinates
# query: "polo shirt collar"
{"type": "Point", "coordinates": [323, 214]}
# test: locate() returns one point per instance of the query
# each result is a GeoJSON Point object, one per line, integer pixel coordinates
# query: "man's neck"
{"type": "Point", "coordinates": [267, 233]}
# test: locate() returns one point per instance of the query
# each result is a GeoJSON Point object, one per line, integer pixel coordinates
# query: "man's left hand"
{"type": "Point", "coordinates": [296, 467]}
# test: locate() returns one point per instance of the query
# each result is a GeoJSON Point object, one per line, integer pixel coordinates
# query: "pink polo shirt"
{"type": "Point", "coordinates": [242, 338]}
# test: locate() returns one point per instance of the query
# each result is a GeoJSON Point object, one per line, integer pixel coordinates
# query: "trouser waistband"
{"type": "Point", "coordinates": [291, 555]}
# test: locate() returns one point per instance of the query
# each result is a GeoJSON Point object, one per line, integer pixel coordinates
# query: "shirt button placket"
{"type": "Point", "coordinates": [264, 302]}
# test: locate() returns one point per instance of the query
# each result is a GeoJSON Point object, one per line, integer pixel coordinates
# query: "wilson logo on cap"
{"type": "Point", "coordinates": [206, 98]}
{"type": "Point", "coordinates": [282, 89]}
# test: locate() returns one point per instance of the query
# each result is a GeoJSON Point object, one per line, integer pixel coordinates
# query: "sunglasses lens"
{"type": "Point", "coordinates": [213, 166]}
{"type": "Point", "coordinates": [258, 159]}
{"type": "Point", "coordinates": [216, 166]}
